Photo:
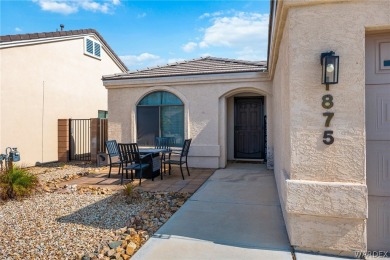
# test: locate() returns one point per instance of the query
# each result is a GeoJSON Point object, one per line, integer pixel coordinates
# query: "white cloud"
{"type": "Point", "coordinates": [189, 47]}
{"type": "Point", "coordinates": [238, 30]}
{"type": "Point", "coordinates": [244, 33]}
{"type": "Point", "coordinates": [73, 6]}
{"type": "Point", "coordinates": [174, 60]}
{"type": "Point", "coordinates": [142, 15]}
{"type": "Point", "coordinates": [207, 54]}
{"type": "Point", "coordinates": [253, 54]}
{"type": "Point", "coordinates": [205, 15]}
{"type": "Point", "coordinates": [219, 13]}
{"type": "Point", "coordinates": [57, 6]}
{"type": "Point", "coordinates": [140, 60]}
{"type": "Point", "coordinates": [17, 29]}
{"type": "Point", "coordinates": [203, 44]}
{"type": "Point", "coordinates": [94, 6]}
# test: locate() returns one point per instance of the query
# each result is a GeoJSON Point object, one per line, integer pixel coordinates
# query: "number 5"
{"type": "Point", "coordinates": [328, 138]}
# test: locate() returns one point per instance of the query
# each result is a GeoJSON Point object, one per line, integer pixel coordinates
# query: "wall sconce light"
{"type": "Point", "coordinates": [330, 68]}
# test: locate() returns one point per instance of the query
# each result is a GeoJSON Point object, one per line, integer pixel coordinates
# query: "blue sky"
{"type": "Point", "coordinates": [150, 33]}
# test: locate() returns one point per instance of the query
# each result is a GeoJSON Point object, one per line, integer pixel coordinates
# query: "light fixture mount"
{"type": "Point", "coordinates": [330, 68]}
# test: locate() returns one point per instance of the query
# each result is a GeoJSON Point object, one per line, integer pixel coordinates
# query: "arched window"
{"type": "Point", "coordinates": [160, 114]}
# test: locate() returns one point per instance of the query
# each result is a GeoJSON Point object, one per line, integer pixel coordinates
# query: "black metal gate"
{"type": "Point", "coordinates": [79, 139]}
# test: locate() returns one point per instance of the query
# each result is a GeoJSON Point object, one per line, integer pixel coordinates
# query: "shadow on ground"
{"type": "Point", "coordinates": [111, 212]}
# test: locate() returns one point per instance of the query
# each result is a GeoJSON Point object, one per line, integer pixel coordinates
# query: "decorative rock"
{"type": "Point", "coordinates": [132, 231]}
{"type": "Point", "coordinates": [120, 250]}
{"type": "Point", "coordinates": [130, 249]}
{"type": "Point", "coordinates": [79, 255]}
{"type": "Point", "coordinates": [114, 244]}
{"type": "Point", "coordinates": [111, 252]}
{"type": "Point", "coordinates": [125, 257]}
{"type": "Point", "coordinates": [118, 256]}
{"type": "Point", "coordinates": [59, 224]}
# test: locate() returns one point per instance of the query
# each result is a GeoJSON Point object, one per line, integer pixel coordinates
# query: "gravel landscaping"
{"type": "Point", "coordinates": [74, 223]}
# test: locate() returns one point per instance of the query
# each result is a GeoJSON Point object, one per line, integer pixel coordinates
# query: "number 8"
{"type": "Point", "coordinates": [327, 101]}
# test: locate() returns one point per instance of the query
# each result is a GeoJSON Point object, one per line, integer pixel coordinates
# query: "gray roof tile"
{"type": "Point", "coordinates": [201, 66]}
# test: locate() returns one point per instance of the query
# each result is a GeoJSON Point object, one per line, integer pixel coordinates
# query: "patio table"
{"type": "Point", "coordinates": [155, 162]}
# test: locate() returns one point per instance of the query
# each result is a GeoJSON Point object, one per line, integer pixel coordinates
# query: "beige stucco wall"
{"type": "Point", "coordinates": [205, 101]}
{"type": "Point", "coordinates": [44, 82]}
{"type": "Point", "coordinates": [322, 188]}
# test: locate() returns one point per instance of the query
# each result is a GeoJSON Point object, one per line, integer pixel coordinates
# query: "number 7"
{"type": "Point", "coordinates": [330, 116]}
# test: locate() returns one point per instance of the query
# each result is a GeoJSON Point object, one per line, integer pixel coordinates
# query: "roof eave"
{"type": "Point", "coordinates": [254, 76]}
{"type": "Point", "coordinates": [126, 76]}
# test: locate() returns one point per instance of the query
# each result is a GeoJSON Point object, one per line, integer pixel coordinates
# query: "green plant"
{"type": "Point", "coordinates": [62, 165]}
{"type": "Point", "coordinates": [128, 189]}
{"type": "Point", "coordinates": [17, 183]}
{"type": "Point", "coordinates": [132, 194]}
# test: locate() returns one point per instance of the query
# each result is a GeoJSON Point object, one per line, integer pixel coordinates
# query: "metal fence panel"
{"type": "Point", "coordinates": [79, 139]}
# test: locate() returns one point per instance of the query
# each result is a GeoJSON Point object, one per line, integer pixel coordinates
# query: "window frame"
{"type": "Point", "coordinates": [96, 52]}
{"type": "Point", "coordinates": [160, 106]}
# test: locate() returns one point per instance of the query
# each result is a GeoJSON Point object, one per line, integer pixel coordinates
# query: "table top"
{"type": "Point", "coordinates": [152, 150]}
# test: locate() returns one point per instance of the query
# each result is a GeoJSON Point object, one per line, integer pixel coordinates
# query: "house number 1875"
{"type": "Point", "coordinates": [327, 103]}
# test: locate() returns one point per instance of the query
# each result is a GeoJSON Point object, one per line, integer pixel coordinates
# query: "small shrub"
{"type": "Point", "coordinates": [17, 183]}
{"type": "Point", "coordinates": [132, 195]}
{"type": "Point", "coordinates": [129, 189]}
{"type": "Point", "coordinates": [62, 165]}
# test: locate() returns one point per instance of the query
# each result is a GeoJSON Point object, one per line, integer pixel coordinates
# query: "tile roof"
{"type": "Point", "coordinates": [45, 35]}
{"type": "Point", "coordinates": [201, 66]}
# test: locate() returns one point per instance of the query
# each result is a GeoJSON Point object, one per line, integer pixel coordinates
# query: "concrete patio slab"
{"type": "Point", "coordinates": [235, 215]}
{"type": "Point", "coordinates": [246, 187]}
{"type": "Point", "coordinates": [170, 183]}
{"type": "Point", "coordinates": [176, 247]}
{"type": "Point", "coordinates": [234, 224]}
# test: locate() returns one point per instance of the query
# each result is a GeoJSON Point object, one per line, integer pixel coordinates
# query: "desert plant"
{"type": "Point", "coordinates": [132, 195]}
{"type": "Point", "coordinates": [128, 189]}
{"type": "Point", "coordinates": [17, 183]}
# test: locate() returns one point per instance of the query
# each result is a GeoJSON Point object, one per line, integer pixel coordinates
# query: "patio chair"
{"type": "Point", "coordinates": [164, 143]}
{"type": "Point", "coordinates": [133, 161]}
{"type": "Point", "coordinates": [182, 158]}
{"type": "Point", "coordinates": [113, 155]}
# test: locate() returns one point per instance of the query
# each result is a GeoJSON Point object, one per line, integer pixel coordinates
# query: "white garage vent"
{"type": "Point", "coordinates": [92, 48]}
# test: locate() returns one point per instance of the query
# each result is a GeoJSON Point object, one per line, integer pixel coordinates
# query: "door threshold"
{"type": "Point", "coordinates": [247, 161]}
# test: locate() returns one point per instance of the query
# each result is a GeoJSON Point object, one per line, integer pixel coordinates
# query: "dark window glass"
{"type": "Point", "coordinates": [160, 114]}
{"type": "Point", "coordinates": [102, 114]}
{"type": "Point", "coordinates": [97, 49]}
{"type": "Point", "coordinates": [172, 123]}
{"type": "Point", "coordinates": [89, 46]}
{"type": "Point", "coordinates": [153, 99]}
{"type": "Point", "coordinates": [148, 124]}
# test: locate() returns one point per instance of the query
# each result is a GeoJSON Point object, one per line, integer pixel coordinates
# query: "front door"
{"type": "Point", "coordinates": [378, 141]}
{"type": "Point", "coordinates": [249, 128]}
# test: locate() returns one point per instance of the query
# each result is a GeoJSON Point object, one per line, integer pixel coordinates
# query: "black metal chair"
{"type": "Point", "coordinates": [182, 158]}
{"type": "Point", "coordinates": [164, 143]}
{"type": "Point", "coordinates": [113, 155]}
{"type": "Point", "coordinates": [132, 160]}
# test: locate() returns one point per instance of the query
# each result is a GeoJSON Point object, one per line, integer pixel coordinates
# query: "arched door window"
{"type": "Point", "coordinates": [160, 114]}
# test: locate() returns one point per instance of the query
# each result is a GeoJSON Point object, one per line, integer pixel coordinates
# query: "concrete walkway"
{"type": "Point", "coordinates": [236, 214]}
